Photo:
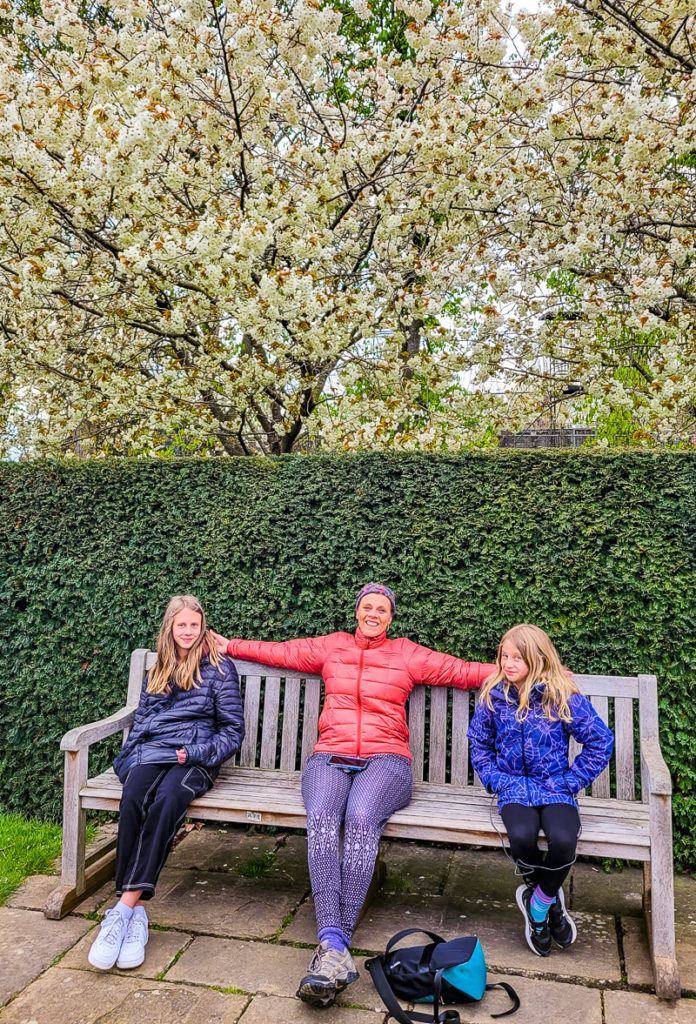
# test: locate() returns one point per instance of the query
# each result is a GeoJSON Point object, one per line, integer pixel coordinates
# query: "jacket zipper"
{"type": "Point", "coordinates": [524, 766]}
{"type": "Point", "coordinates": [360, 668]}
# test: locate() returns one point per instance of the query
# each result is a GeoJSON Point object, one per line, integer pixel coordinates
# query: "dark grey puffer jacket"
{"type": "Point", "coordinates": [207, 721]}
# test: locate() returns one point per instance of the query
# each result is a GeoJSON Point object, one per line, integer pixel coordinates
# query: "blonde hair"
{"type": "Point", "coordinates": [545, 667]}
{"type": "Point", "coordinates": [169, 669]}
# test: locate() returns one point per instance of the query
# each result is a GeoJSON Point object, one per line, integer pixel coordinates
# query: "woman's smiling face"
{"type": "Point", "coordinates": [373, 614]}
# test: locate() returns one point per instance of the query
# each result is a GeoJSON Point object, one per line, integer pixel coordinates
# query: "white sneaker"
{"type": "Point", "coordinates": [107, 945]}
{"type": "Point", "coordinates": [133, 947]}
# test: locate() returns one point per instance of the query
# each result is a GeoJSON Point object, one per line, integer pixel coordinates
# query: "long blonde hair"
{"type": "Point", "coordinates": [168, 669]}
{"type": "Point", "coordinates": [545, 667]}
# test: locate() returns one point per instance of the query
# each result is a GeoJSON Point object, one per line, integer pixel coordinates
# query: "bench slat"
{"type": "Point", "coordinates": [252, 702]}
{"type": "Point", "coordinates": [291, 720]}
{"type": "Point", "coordinates": [310, 718]}
{"type": "Point", "coordinates": [269, 730]}
{"type": "Point", "coordinates": [608, 686]}
{"type": "Point", "coordinates": [460, 739]}
{"type": "Point", "coordinates": [601, 785]}
{"type": "Point", "coordinates": [625, 755]}
{"type": "Point", "coordinates": [416, 728]}
{"type": "Point", "coordinates": [437, 734]}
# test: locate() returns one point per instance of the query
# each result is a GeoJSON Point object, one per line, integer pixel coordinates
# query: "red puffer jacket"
{"type": "Point", "coordinates": [367, 681]}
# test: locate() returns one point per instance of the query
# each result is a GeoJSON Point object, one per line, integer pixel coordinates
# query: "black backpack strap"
{"type": "Point", "coordinates": [447, 1016]}
{"type": "Point", "coordinates": [411, 931]}
{"type": "Point", "coordinates": [513, 996]}
{"type": "Point", "coordinates": [381, 982]}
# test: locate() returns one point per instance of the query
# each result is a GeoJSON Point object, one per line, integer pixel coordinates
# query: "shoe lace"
{"type": "Point", "coordinates": [111, 928]}
{"type": "Point", "coordinates": [327, 959]}
{"type": "Point", "coordinates": [136, 930]}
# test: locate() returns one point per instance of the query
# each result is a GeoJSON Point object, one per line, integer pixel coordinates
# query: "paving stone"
{"type": "Point", "coordinates": [95, 901]}
{"type": "Point", "coordinates": [82, 997]}
{"type": "Point", "coordinates": [29, 943]}
{"type": "Point", "coordinates": [32, 895]}
{"type": "Point", "coordinates": [229, 849]}
{"type": "Point", "coordinates": [291, 859]}
{"type": "Point", "coordinates": [484, 874]}
{"type": "Point", "coordinates": [640, 1008]}
{"type": "Point", "coordinates": [161, 949]}
{"type": "Point", "coordinates": [500, 927]}
{"type": "Point", "coordinates": [389, 914]}
{"type": "Point", "coordinates": [259, 968]}
{"type": "Point", "coordinates": [596, 891]}
{"type": "Point", "coordinates": [637, 954]}
{"type": "Point", "coordinates": [685, 900]}
{"type": "Point", "coordinates": [37, 888]}
{"type": "Point", "coordinates": [303, 927]}
{"type": "Point", "coordinates": [216, 903]}
{"type": "Point", "coordinates": [411, 868]}
{"type": "Point", "coordinates": [278, 1010]}
{"type": "Point", "coordinates": [217, 849]}
{"type": "Point", "coordinates": [539, 1001]}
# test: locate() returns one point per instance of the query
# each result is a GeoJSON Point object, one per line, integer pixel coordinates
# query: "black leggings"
{"type": "Point", "coordinates": [560, 824]}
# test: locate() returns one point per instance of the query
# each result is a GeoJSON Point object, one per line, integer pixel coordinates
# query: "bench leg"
{"type": "Point", "coordinates": [74, 880]}
{"type": "Point", "coordinates": [658, 900]}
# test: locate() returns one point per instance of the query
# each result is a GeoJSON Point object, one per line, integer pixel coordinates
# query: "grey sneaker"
{"type": "Point", "coordinates": [133, 946]}
{"type": "Point", "coordinates": [328, 974]}
{"type": "Point", "coordinates": [107, 945]}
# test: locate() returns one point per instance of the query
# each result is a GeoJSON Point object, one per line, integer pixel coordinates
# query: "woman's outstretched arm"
{"type": "Point", "coordinates": [304, 655]}
{"type": "Point", "coordinates": [438, 669]}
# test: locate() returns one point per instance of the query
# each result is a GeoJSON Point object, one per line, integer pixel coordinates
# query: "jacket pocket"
{"type": "Point", "coordinates": [558, 784]}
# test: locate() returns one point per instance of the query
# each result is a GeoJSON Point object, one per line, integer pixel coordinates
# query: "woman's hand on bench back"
{"type": "Point", "coordinates": [220, 642]}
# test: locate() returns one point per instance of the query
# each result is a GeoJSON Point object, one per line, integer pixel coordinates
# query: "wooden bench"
{"type": "Point", "coordinates": [449, 804]}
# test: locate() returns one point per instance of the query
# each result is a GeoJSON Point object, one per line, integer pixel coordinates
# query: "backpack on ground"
{"type": "Point", "coordinates": [441, 972]}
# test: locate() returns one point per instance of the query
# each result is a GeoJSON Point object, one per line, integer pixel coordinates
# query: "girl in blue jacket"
{"type": "Point", "coordinates": [519, 738]}
{"type": "Point", "coordinates": [189, 720]}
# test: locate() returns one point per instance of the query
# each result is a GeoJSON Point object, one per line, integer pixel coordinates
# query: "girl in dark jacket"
{"type": "Point", "coordinates": [519, 735]}
{"type": "Point", "coordinates": [190, 719]}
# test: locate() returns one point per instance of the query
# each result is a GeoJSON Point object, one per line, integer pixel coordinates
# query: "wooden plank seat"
{"type": "Point", "coordinates": [267, 797]}
{"type": "Point", "coordinates": [627, 814]}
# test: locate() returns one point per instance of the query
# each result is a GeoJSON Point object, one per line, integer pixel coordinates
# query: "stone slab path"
{"type": "Point", "coordinates": [233, 929]}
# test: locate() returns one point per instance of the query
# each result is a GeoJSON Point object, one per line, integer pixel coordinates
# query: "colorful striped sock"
{"type": "Point", "coordinates": [539, 904]}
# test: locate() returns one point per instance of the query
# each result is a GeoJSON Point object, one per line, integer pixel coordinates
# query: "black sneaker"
{"type": "Point", "coordinates": [561, 925]}
{"type": "Point", "coordinates": [537, 933]}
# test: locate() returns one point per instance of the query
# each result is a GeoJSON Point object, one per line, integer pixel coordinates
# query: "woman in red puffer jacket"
{"type": "Point", "coordinates": [360, 771]}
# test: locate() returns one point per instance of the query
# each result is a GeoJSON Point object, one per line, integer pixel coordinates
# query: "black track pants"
{"type": "Point", "coordinates": [153, 807]}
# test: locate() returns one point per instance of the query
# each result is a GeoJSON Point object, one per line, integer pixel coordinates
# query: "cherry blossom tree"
{"type": "Point", "coordinates": [267, 226]}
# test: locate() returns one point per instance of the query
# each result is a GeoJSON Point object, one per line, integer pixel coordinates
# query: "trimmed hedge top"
{"type": "Point", "coordinates": [597, 548]}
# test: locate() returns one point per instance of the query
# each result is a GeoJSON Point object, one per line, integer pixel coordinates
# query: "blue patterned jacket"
{"type": "Point", "coordinates": [527, 762]}
{"type": "Point", "coordinates": [207, 721]}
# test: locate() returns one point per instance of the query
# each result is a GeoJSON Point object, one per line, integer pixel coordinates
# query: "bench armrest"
{"type": "Point", "coordinates": [85, 735]}
{"type": "Point", "coordinates": [656, 778]}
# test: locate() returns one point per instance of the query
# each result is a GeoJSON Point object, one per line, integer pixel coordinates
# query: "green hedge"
{"type": "Point", "coordinates": [597, 548]}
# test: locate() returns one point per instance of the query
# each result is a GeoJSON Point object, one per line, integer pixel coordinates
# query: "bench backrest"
{"type": "Point", "coordinates": [281, 711]}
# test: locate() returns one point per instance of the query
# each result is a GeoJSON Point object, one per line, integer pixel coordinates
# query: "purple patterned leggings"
{"type": "Point", "coordinates": [363, 802]}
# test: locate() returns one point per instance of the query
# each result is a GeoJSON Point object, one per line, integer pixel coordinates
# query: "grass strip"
{"type": "Point", "coordinates": [26, 848]}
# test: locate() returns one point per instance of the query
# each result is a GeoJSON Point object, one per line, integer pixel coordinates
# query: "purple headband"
{"type": "Point", "coordinates": [377, 588]}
